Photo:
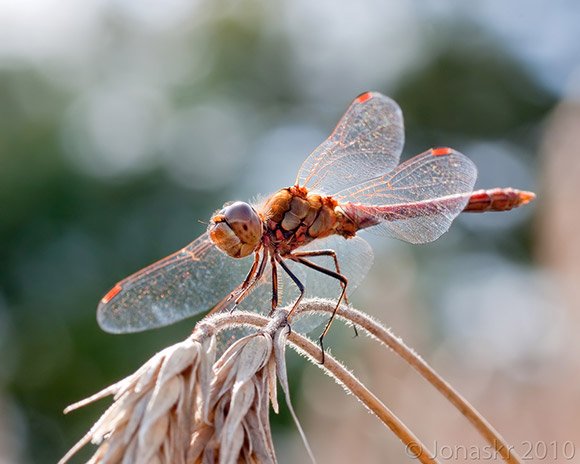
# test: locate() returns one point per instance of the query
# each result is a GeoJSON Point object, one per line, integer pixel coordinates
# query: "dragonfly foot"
{"type": "Point", "coordinates": [233, 308]}
{"type": "Point", "coordinates": [321, 350]}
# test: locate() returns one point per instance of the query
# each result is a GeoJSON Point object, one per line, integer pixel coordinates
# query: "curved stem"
{"type": "Point", "coordinates": [413, 446]}
{"type": "Point", "coordinates": [380, 333]}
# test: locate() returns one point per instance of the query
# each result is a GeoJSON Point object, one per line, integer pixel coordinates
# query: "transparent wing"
{"type": "Point", "coordinates": [417, 201]}
{"type": "Point", "coordinates": [186, 283]}
{"type": "Point", "coordinates": [366, 142]}
{"type": "Point", "coordinates": [197, 277]}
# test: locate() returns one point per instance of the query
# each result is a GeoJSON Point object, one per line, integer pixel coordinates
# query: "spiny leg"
{"type": "Point", "coordinates": [239, 288]}
{"type": "Point", "coordinates": [344, 282]}
{"type": "Point", "coordinates": [257, 277]}
{"type": "Point", "coordinates": [252, 270]}
{"type": "Point", "coordinates": [332, 253]}
{"type": "Point", "coordinates": [249, 276]}
{"type": "Point", "coordinates": [244, 288]}
{"type": "Point", "coordinates": [304, 254]}
{"type": "Point", "coordinates": [296, 281]}
{"type": "Point", "coordinates": [274, 284]}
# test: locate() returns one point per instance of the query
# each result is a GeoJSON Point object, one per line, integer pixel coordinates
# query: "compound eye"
{"type": "Point", "coordinates": [236, 229]}
{"type": "Point", "coordinates": [244, 222]}
{"type": "Point", "coordinates": [239, 212]}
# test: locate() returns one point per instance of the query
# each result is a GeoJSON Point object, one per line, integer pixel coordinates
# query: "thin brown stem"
{"type": "Point", "coordinates": [413, 446]}
{"type": "Point", "coordinates": [380, 333]}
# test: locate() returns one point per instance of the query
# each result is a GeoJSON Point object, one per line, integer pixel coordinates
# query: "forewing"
{"type": "Point", "coordinates": [418, 200]}
{"type": "Point", "coordinates": [186, 283]}
{"type": "Point", "coordinates": [367, 142]}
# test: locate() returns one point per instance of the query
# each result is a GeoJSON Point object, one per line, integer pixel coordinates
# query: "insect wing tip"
{"type": "Point", "coordinates": [363, 97]}
{"type": "Point", "coordinates": [111, 294]}
{"type": "Point", "coordinates": [441, 151]}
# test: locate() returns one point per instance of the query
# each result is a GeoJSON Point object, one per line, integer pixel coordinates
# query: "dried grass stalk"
{"type": "Point", "coordinates": [235, 412]}
{"type": "Point", "coordinates": [183, 406]}
{"type": "Point", "coordinates": [380, 333]}
{"type": "Point", "coordinates": [151, 419]}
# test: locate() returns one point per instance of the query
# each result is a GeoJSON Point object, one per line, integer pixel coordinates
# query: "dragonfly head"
{"type": "Point", "coordinates": [236, 229]}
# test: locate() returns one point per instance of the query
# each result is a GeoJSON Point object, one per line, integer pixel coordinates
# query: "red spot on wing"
{"type": "Point", "coordinates": [441, 151]}
{"type": "Point", "coordinates": [363, 97]}
{"type": "Point", "coordinates": [111, 294]}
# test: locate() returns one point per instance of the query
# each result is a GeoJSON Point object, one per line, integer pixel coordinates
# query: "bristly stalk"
{"type": "Point", "coordinates": [379, 332]}
{"type": "Point", "coordinates": [184, 406]}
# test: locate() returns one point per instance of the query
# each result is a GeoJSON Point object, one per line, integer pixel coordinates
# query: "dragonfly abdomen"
{"type": "Point", "coordinates": [481, 201]}
{"type": "Point", "coordinates": [497, 199]}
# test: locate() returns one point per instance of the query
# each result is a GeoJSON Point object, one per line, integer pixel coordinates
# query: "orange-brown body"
{"type": "Point", "coordinates": [294, 217]}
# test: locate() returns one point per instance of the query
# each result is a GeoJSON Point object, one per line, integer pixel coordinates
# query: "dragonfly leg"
{"type": "Point", "coordinates": [304, 254]}
{"type": "Point", "coordinates": [240, 290]}
{"type": "Point", "coordinates": [274, 284]}
{"type": "Point", "coordinates": [252, 270]}
{"type": "Point", "coordinates": [258, 275]}
{"type": "Point", "coordinates": [296, 281]}
{"type": "Point", "coordinates": [249, 276]}
{"type": "Point", "coordinates": [343, 282]}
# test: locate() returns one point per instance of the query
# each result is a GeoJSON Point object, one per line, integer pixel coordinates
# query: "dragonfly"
{"type": "Point", "coordinates": [353, 181]}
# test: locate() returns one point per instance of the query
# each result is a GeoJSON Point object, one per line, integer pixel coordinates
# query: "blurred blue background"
{"type": "Point", "coordinates": [123, 124]}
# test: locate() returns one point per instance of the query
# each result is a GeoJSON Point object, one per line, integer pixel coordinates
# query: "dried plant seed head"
{"type": "Point", "coordinates": [183, 406]}
{"type": "Point", "coordinates": [239, 427]}
{"type": "Point", "coordinates": [152, 408]}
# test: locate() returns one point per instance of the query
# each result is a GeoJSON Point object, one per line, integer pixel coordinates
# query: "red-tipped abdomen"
{"type": "Point", "coordinates": [497, 199]}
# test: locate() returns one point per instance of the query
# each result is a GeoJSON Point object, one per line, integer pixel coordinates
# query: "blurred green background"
{"type": "Point", "coordinates": [124, 124]}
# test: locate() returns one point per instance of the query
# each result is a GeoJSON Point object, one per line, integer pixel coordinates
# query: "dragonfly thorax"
{"type": "Point", "coordinates": [236, 229]}
{"type": "Point", "coordinates": [294, 217]}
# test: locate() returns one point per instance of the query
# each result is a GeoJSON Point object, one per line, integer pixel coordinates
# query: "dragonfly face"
{"type": "Point", "coordinates": [236, 229]}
